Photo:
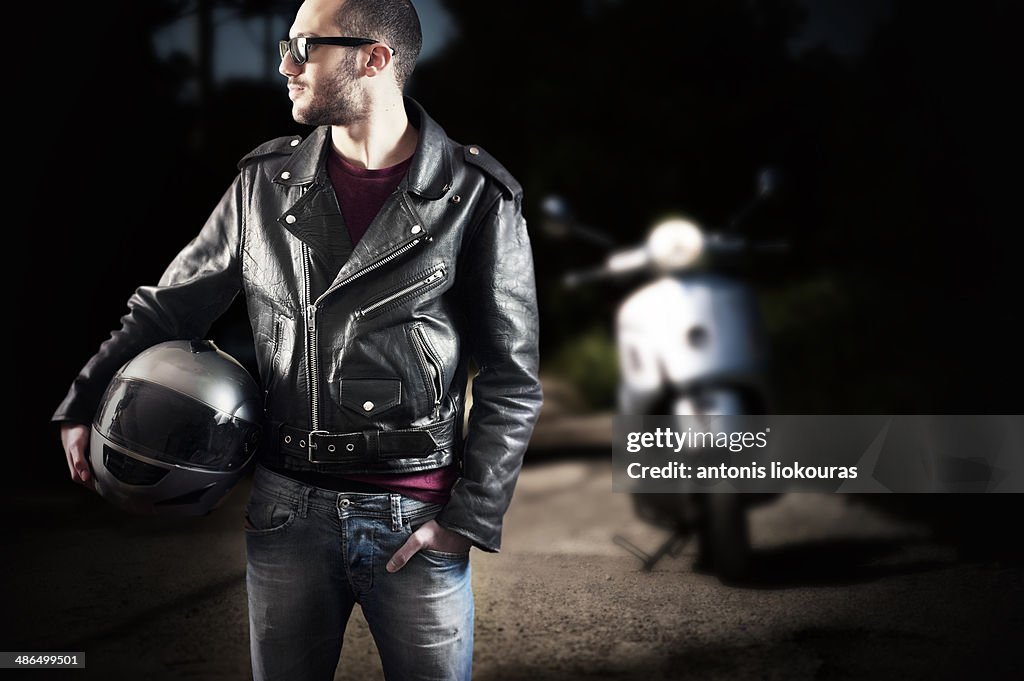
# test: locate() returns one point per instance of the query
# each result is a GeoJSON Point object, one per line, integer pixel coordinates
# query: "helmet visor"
{"type": "Point", "coordinates": [168, 426]}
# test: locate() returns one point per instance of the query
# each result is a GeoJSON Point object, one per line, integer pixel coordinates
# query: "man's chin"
{"type": "Point", "coordinates": [301, 115]}
{"type": "Point", "coordinates": [316, 116]}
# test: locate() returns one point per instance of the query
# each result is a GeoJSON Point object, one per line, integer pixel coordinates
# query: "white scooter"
{"type": "Point", "coordinates": [690, 342]}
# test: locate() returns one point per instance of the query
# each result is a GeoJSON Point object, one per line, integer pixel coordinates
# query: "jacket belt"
{"type": "Point", "coordinates": [321, 446]}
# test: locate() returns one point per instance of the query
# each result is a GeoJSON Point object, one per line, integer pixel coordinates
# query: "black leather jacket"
{"type": "Point", "coordinates": [372, 359]}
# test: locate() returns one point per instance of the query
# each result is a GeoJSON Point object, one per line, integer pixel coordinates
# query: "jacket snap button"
{"type": "Point", "coordinates": [456, 198]}
{"type": "Point", "coordinates": [294, 143]}
{"type": "Point", "coordinates": [368, 405]}
{"type": "Point", "coordinates": [285, 175]}
{"type": "Point", "coordinates": [290, 219]}
{"type": "Point", "coordinates": [474, 150]}
{"type": "Point", "coordinates": [415, 229]}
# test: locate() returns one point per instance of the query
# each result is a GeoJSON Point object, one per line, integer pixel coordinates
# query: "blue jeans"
{"type": "Point", "coordinates": [315, 552]}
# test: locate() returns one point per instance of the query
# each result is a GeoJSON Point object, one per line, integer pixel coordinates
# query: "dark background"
{"type": "Point", "coordinates": [901, 295]}
{"type": "Point", "coordinates": [890, 120]}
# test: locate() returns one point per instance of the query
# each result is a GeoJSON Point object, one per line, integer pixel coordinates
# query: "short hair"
{"type": "Point", "coordinates": [393, 22]}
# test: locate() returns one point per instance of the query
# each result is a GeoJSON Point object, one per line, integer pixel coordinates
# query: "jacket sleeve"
{"type": "Point", "coordinates": [197, 287]}
{"type": "Point", "coordinates": [501, 312]}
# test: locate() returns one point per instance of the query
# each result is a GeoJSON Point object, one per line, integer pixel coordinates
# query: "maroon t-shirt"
{"type": "Point", "coordinates": [361, 193]}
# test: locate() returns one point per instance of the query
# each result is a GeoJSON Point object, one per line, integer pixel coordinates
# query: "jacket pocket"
{"type": "Point", "coordinates": [370, 396]}
{"type": "Point", "coordinates": [276, 348]}
{"type": "Point", "coordinates": [424, 281]}
{"type": "Point", "coordinates": [272, 368]}
{"type": "Point", "coordinates": [430, 366]}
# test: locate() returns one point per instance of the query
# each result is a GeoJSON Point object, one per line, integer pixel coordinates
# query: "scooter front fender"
{"type": "Point", "coordinates": [678, 332]}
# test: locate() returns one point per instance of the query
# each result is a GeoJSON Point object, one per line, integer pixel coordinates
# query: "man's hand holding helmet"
{"type": "Point", "coordinates": [75, 438]}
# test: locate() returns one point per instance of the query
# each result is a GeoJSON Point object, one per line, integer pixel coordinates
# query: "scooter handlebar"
{"type": "Point", "coordinates": [729, 244]}
{"type": "Point", "coordinates": [573, 280]}
{"type": "Point", "coordinates": [625, 262]}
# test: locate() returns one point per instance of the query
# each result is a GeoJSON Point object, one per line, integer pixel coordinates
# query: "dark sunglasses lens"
{"type": "Point", "coordinates": [297, 46]}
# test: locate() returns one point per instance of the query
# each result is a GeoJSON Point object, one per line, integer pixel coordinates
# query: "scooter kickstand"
{"type": "Point", "coordinates": [670, 546]}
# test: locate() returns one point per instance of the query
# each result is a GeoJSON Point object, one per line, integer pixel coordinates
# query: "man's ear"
{"type": "Point", "coordinates": [378, 61]}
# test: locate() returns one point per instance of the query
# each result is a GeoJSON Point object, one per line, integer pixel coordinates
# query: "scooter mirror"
{"type": "Point", "coordinates": [768, 182]}
{"type": "Point", "coordinates": [557, 216]}
{"type": "Point", "coordinates": [559, 222]}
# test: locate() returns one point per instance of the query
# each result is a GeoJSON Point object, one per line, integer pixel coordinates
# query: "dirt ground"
{"type": "Point", "coordinates": [841, 591]}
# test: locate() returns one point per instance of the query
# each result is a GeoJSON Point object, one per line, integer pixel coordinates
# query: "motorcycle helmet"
{"type": "Point", "coordinates": [175, 430]}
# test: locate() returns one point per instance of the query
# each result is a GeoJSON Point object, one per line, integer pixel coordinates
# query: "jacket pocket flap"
{"type": "Point", "coordinates": [371, 396]}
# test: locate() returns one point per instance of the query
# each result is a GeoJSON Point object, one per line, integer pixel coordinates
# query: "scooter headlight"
{"type": "Point", "coordinates": [675, 244]}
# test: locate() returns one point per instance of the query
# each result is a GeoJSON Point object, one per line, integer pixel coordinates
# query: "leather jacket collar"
{"type": "Point", "coordinates": [430, 174]}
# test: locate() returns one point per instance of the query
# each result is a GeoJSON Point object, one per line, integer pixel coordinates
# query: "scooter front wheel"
{"type": "Point", "coordinates": [724, 540]}
{"type": "Point", "coordinates": [723, 537]}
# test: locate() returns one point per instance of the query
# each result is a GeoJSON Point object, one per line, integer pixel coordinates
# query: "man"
{"type": "Point", "coordinates": [376, 257]}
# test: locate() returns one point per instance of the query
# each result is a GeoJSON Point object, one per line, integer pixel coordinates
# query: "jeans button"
{"type": "Point", "coordinates": [344, 503]}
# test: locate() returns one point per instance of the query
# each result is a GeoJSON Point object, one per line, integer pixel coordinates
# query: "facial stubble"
{"type": "Point", "coordinates": [338, 101]}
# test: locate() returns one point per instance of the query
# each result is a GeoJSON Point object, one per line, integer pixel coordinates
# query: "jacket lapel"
{"type": "Point", "coordinates": [397, 224]}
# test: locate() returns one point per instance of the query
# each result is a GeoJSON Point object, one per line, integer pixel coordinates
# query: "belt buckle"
{"type": "Point", "coordinates": [310, 446]}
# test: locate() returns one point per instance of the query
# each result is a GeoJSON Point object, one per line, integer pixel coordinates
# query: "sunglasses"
{"type": "Point", "coordinates": [299, 47]}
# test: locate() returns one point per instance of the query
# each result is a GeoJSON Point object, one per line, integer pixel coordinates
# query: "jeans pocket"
{"type": "Point", "coordinates": [265, 516]}
{"type": "Point", "coordinates": [424, 513]}
{"type": "Point", "coordinates": [419, 513]}
{"type": "Point", "coordinates": [445, 555]}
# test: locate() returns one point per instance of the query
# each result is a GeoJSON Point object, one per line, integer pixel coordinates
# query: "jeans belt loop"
{"type": "Point", "coordinates": [396, 512]}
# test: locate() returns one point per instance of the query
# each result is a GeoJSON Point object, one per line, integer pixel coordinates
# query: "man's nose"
{"type": "Point", "coordinates": [288, 66]}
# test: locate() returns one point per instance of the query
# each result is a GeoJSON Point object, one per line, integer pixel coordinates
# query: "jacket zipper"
{"type": "Point", "coordinates": [369, 268]}
{"type": "Point", "coordinates": [278, 329]}
{"type": "Point", "coordinates": [431, 278]}
{"type": "Point", "coordinates": [311, 330]}
{"type": "Point", "coordinates": [311, 346]}
{"type": "Point", "coordinates": [433, 368]}
{"type": "Point", "coordinates": [273, 358]}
